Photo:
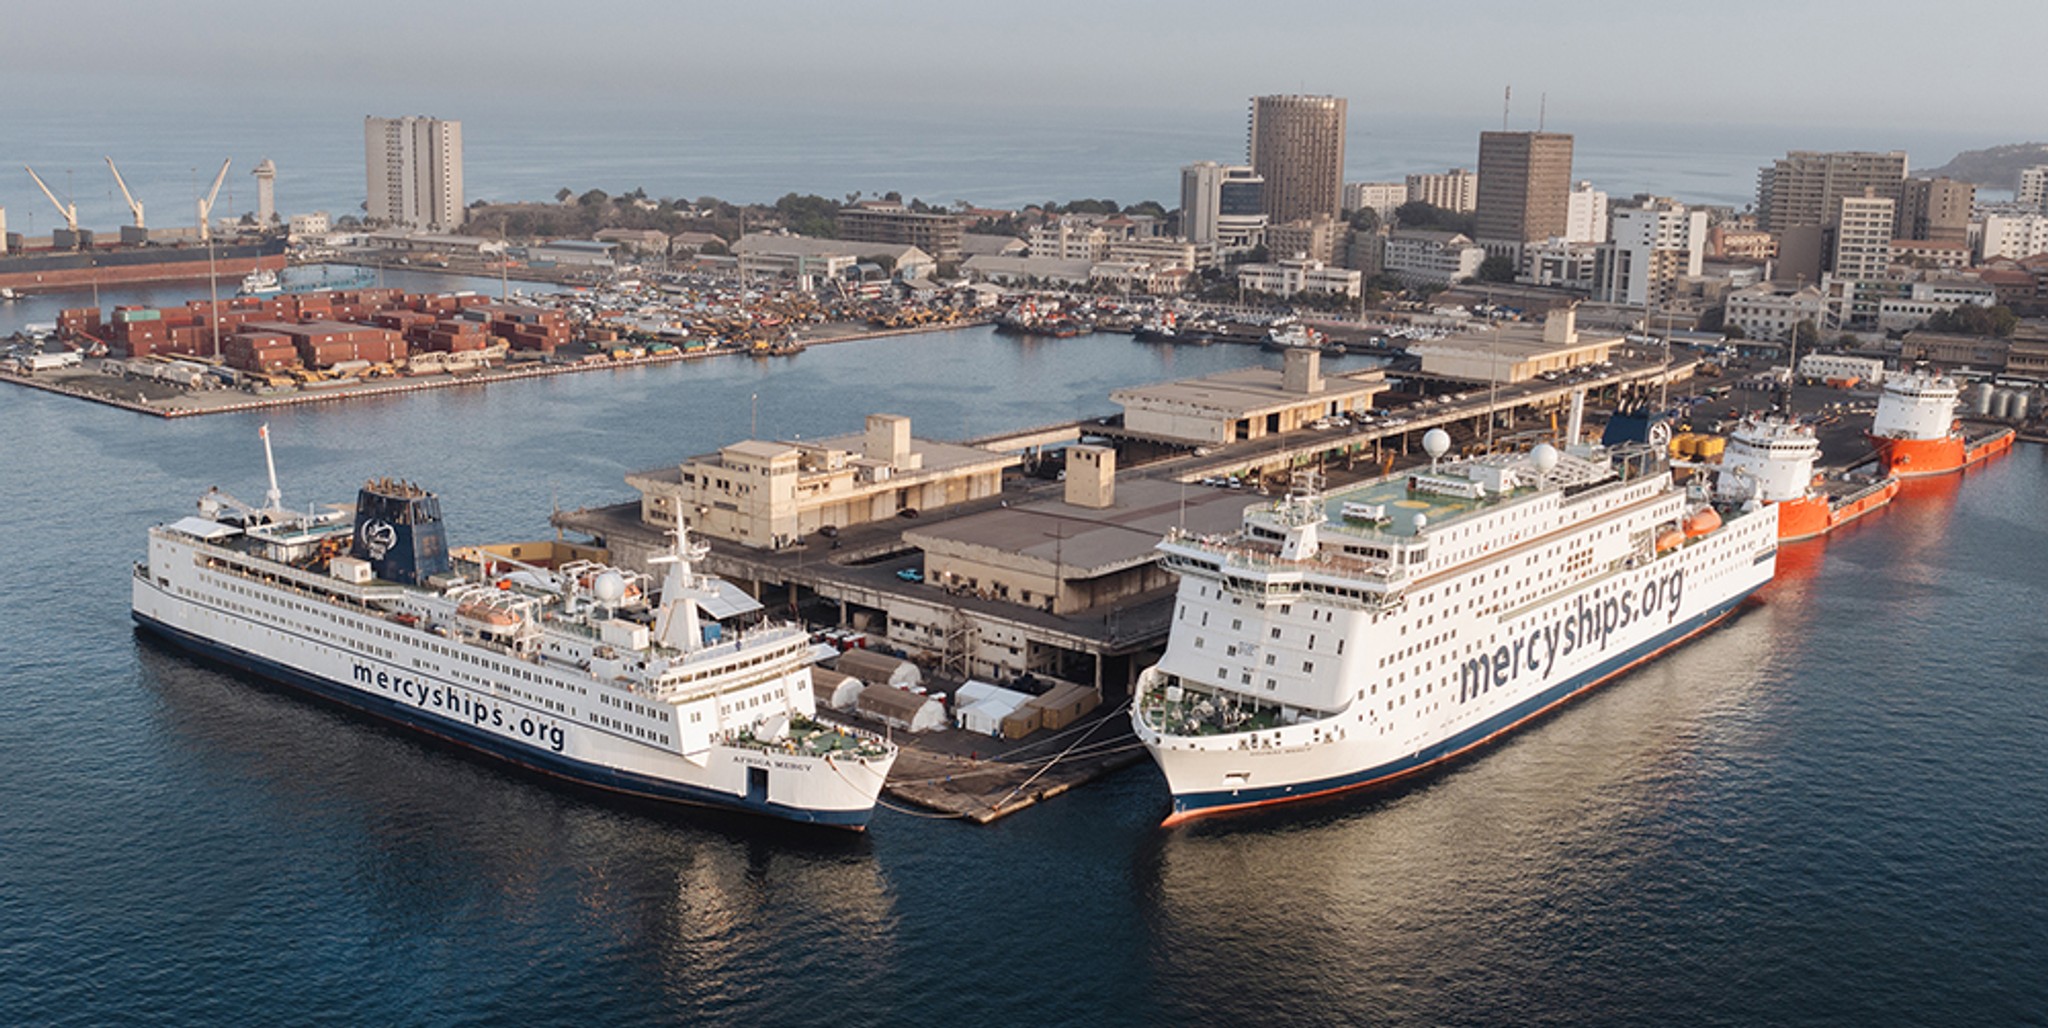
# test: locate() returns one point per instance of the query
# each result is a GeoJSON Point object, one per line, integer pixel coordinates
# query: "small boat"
{"type": "Point", "coordinates": [261, 282]}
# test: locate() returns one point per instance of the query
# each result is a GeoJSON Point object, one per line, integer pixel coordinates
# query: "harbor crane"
{"type": "Point", "coordinates": [133, 204]}
{"type": "Point", "coordinates": [206, 205]}
{"type": "Point", "coordinates": [68, 211]}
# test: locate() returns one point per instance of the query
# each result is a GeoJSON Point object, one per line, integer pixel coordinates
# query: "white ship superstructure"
{"type": "Point", "coordinates": [1351, 638]}
{"type": "Point", "coordinates": [568, 667]}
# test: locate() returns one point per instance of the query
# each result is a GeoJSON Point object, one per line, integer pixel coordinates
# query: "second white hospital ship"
{"type": "Point", "coordinates": [1342, 640]}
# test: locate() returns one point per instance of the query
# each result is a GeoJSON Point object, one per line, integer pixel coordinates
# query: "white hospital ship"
{"type": "Point", "coordinates": [1342, 640]}
{"type": "Point", "coordinates": [567, 667]}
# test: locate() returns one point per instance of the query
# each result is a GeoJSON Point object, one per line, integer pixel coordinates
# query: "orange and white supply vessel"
{"type": "Point", "coordinates": [1343, 640]}
{"type": "Point", "coordinates": [1770, 460]}
{"type": "Point", "coordinates": [1916, 433]}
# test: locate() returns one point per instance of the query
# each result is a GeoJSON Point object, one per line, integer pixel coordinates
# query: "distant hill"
{"type": "Point", "coordinates": [1996, 167]}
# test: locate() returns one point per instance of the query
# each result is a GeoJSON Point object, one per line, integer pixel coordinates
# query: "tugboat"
{"type": "Point", "coordinates": [1770, 460]}
{"type": "Point", "coordinates": [1916, 432]}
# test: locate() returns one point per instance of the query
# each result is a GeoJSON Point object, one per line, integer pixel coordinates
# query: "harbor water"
{"type": "Point", "coordinates": [1827, 811]}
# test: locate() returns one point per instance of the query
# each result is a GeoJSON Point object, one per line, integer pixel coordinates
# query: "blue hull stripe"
{"type": "Point", "coordinates": [581, 772]}
{"type": "Point", "coordinates": [1192, 804]}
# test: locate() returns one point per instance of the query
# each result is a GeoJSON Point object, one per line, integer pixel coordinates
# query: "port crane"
{"type": "Point", "coordinates": [133, 204]}
{"type": "Point", "coordinates": [206, 205]}
{"type": "Point", "coordinates": [68, 211]}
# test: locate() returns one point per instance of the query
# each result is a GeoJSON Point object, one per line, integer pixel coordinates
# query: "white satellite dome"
{"type": "Point", "coordinates": [1436, 442]}
{"type": "Point", "coordinates": [1545, 456]}
{"type": "Point", "coordinates": [610, 587]}
{"type": "Point", "coordinates": [1421, 522]}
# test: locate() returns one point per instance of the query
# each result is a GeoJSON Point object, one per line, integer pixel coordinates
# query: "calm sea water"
{"type": "Point", "coordinates": [1826, 812]}
{"type": "Point", "coordinates": [169, 153]}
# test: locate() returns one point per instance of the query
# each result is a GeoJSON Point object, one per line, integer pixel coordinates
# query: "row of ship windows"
{"type": "Point", "coordinates": [273, 601]}
{"type": "Point", "coordinates": [630, 729]}
{"type": "Point", "coordinates": [629, 705]}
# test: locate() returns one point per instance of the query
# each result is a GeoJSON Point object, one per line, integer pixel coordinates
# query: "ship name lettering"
{"type": "Point", "coordinates": [1583, 624]}
{"type": "Point", "coordinates": [459, 704]}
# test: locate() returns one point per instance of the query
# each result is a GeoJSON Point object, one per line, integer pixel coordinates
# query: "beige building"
{"type": "Point", "coordinates": [1296, 275]}
{"type": "Point", "coordinates": [1094, 547]}
{"type": "Point", "coordinates": [1517, 353]}
{"type": "Point", "coordinates": [414, 172]}
{"type": "Point", "coordinates": [1525, 183]}
{"type": "Point", "coordinates": [1248, 403]}
{"type": "Point", "coordinates": [1297, 146]}
{"type": "Point", "coordinates": [1805, 187]}
{"type": "Point", "coordinates": [769, 494]}
{"type": "Point", "coordinates": [1863, 236]}
{"type": "Point", "coordinates": [1313, 238]}
{"type": "Point", "coordinates": [1456, 190]}
{"type": "Point", "coordinates": [886, 221]}
{"type": "Point", "coordinates": [1936, 210]}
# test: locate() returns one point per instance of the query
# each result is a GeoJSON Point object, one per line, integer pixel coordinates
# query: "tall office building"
{"type": "Point", "coordinates": [1222, 205]}
{"type": "Point", "coordinates": [1863, 236]}
{"type": "Point", "coordinates": [1656, 240]}
{"type": "Point", "coordinates": [1936, 210]}
{"type": "Point", "coordinates": [1525, 180]}
{"type": "Point", "coordinates": [2033, 190]}
{"type": "Point", "coordinates": [1806, 187]}
{"type": "Point", "coordinates": [414, 169]}
{"type": "Point", "coordinates": [1585, 218]}
{"type": "Point", "coordinates": [1297, 146]}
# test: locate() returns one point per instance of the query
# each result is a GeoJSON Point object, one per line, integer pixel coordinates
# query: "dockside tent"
{"type": "Point", "coordinates": [901, 708]}
{"type": "Point", "coordinates": [981, 707]}
{"type": "Point", "coordinates": [837, 691]}
{"type": "Point", "coordinates": [878, 669]}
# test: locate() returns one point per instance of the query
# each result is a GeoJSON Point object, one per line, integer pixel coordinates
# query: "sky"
{"type": "Point", "coordinates": [1000, 104]}
{"type": "Point", "coordinates": [1879, 62]}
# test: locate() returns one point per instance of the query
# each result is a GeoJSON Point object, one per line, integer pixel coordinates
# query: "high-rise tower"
{"type": "Point", "coordinates": [1525, 183]}
{"type": "Point", "coordinates": [414, 170]}
{"type": "Point", "coordinates": [1297, 147]}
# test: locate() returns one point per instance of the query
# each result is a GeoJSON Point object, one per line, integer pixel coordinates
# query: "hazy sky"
{"type": "Point", "coordinates": [1874, 62]}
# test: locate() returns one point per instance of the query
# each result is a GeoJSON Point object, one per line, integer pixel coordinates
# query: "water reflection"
{"type": "Point", "coordinates": [1444, 902]}
{"type": "Point", "coordinates": [420, 842]}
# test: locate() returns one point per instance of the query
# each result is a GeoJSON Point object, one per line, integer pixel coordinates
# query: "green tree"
{"type": "Point", "coordinates": [1417, 214]}
{"type": "Point", "coordinates": [563, 194]}
{"type": "Point", "coordinates": [1497, 268]}
{"type": "Point", "coordinates": [593, 198]}
{"type": "Point", "coordinates": [1152, 208]}
{"type": "Point", "coordinates": [1806, 333]}
{"type": "Point", "coordinates": [1365, 219]}
{"type": "Point", "coordinates": [809, 215]}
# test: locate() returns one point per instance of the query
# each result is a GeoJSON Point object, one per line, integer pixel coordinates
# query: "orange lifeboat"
{"type": "Point", "coordinates": [487, 615]}
{"type": "Point", "coordinates": [1669, 539]}
{"type": "Point", "coordinates": [1703, 522]}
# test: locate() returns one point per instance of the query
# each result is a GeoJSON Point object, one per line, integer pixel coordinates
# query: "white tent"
{"type": "Point", "coordinates": [839, 692]}
{"type": "Point", "coordinates": [990, 704]}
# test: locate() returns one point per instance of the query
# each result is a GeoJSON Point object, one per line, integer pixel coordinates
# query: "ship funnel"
{"type": "Point", "coordinates": [398, 530]}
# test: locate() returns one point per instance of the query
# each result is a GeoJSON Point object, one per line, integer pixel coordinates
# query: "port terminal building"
{"type": "Point", "coordinates": [769, 494]}
{"type": "Point", "coordinates": [1507, 354]}
{"type": "Point", "coordinates": [1246, 404]}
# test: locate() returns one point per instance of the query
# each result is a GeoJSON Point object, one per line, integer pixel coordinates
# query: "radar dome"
{"type": "Point", "coordinates": [1421, 522]}
{"type": "Point", "coordinates": [610, 587]}
{"type": "Point", "coordinates": [1545, 456]}
{"type": "Point", "coordinates": [1436, 442]}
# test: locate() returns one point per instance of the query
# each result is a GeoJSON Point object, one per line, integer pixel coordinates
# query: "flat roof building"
{"type": "Point", "coordinates": [413, 167]}
{"type": "Point", "coordinates": [1517, 353]}
{"type": "Point", "coordinates": [1248, 403]}
{"type": "Point", "coordinates": [882, 221]}
{"type": "Point", "coordinates": [768, 494]}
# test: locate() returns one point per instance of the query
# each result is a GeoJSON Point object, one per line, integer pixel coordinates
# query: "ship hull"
{"type": "Point", "coordinates": [835, 796]}
{"type": "Point", "coordinates": [1920, 458]}
{"type": "Point", "coordinates": [1189, 806]}
{"type": "Point", "coordinates": [1817, 515]}
{"type": "Point", "coordinates": [40, 272]}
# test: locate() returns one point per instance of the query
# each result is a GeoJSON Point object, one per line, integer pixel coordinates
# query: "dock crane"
{"type": "Point", "coordinates": [206, 205]}
{"type": "Point", "coordinates": [68, 211]}
{"type": "Point", "coordinates": [133, 204]}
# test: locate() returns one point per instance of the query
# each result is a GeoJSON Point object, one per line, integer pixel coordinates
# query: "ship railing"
{"type": "Point", "coordinates": [1236, 554]}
